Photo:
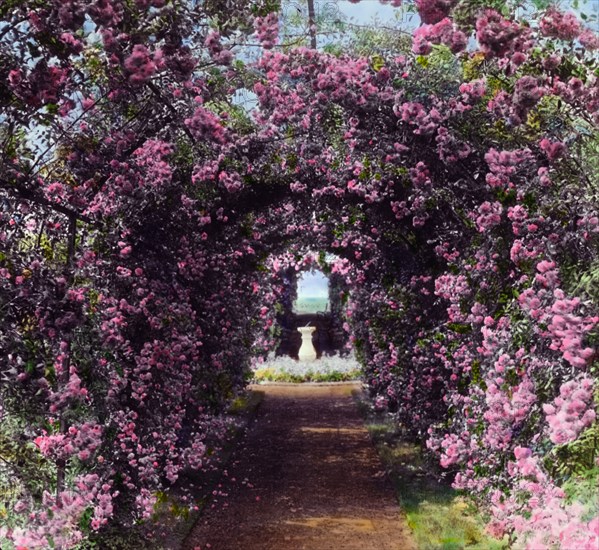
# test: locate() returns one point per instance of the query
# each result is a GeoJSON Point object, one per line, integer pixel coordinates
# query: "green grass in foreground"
{"type": "Point", "coordinates": [440, 519]}
{"type": "Point", "coordinates": [275, 375]}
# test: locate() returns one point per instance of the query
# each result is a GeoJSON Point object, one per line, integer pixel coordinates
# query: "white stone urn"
{"type": "Point", "coordinates": [307, 351]}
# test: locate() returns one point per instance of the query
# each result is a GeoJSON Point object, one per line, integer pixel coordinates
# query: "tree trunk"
{"type": "Point", "coordinates": [65, 375]}
{"type": "Point", "coordinates": [312, 24]}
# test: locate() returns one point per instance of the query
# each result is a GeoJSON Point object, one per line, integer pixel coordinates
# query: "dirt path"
{"type": "Point", "coordinates": [305, 477]}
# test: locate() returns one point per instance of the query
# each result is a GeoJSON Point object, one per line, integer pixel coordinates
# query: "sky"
{"type": "Point", "coordinates": [312, 284]}
{"type": "Point", "coordinates": [367, 11]}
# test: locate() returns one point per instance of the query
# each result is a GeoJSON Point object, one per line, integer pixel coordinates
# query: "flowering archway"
{"type": "Point", "coordinates": [140, 241]}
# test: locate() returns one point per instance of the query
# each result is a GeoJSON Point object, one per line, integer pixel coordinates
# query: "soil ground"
{"type": "Point", "coordinates": [305, 477]}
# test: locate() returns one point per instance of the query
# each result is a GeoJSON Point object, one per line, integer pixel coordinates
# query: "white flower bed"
{"type": "Point", "coordinates": [321, 367]}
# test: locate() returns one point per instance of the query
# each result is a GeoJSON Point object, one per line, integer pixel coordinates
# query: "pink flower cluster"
{"type": "Point", "coordinates": [420, 176]}
{"type": "Point", "coordinates": [451, 148]}
{"type": "Point", "coordinates": [414, 113]}
{"type": "Point", "coordinates": [506, 409]}
{"type": "Point", "coordinates": [454, 449]}
{"type": "Point", "coordinates": [537, 512]}
{"type": "Point", "coordinates": [443, 32]}
{"type": "Point", "coordinates": [140, 65]}
{"type": "Point", "coordinates": [61, 519]}
{"type": "Point", "coordinates": [518, 215]}
{"type": "Point", "coordinates": [570, 412]}
{"type": "Point", "coordinates": [82, 440]}
{"type": "Point", "coordinates": [72, 391]}
{"type": "Point", "coordinates": [107, 13]}
{"type": "Point", "coordinates": [267, 29]}
{"type": "Point", "coordinates": [231, 181]}
{"type": "Point", "coordinates": [152, 157]}
{"type": "Point", "coordinates": [589, 40]}
{"type": "Point", "coordinates": [553, 149]}
{"type": "Point", "coordinates": [589, 223]}
{"type": "Point", "coordinates": [550, 305]}
{"type": "Point", "coordinates": [499, 36]}
{"type": "Point", "coordinates": [527, 94]}
{"type": "Point", "coordinates": [145, 502]}
{"type": "Point", "coordinates": [73, 43]}
{"type": "Point", "coordinates": [473, 91]}
{"type": "Point", "coordinates": [451, 287]}
{"type": "Point", "coordinates": [217, 52]}
{"type": "Point", "coordinates": [567, 330]}
{"type": "Point", "coordinates": [43, 85]}
{"type": "Point", "coordinates": [561, 25]}
{"type": "Point", "coordinates": [206, 126]}
{"type": "Point", "coordinates": [489, 215]}
{"type": "Point", "coordinates": [433, 11]}
{"type": "Point", "coordinates": [504, 165]}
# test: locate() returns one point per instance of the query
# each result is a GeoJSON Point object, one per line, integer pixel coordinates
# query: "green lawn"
{"type": "Point", "coordinates": [310, 305]}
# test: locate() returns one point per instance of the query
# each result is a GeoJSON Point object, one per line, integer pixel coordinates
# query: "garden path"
{"type": "Point", "coordinates": [306, 476]}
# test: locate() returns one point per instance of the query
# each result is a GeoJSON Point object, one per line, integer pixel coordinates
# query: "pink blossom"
{"type": "Point", "coordinates": [571, 411]}
{"type": "Point", "coordinates": [432, 11]}
{"type": "Point", "coordinates": [140, 65]}
{"type": "Point", "coordinates": [498, 36]}
{"type": "Point", "coordinates": [489, 215]}
{"type": "Point", "coordinates": [267, 29]}
{"type": "Point", "coordinates": [558, 24]}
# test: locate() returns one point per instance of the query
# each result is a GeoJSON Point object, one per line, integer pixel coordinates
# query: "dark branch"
{"type": "Point", "coordinates": [29, 195]}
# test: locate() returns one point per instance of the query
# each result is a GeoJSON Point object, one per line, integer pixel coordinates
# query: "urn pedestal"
{"type": "Point", "coordinates": [307, 352]}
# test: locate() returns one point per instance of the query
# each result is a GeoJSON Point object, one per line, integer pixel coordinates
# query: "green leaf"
{"type": "Point", "coordinates": [86, 517]}
{"type": "Point", "coordinates": [423, 61]}
{"type": "Point", "coordinates": [377, 62]}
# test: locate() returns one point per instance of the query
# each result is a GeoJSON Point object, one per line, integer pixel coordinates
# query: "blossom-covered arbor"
{"type": "Point", "coordinates": [142, 211]}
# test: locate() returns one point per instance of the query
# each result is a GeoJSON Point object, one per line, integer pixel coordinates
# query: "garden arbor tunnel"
{"type": "Point", "coordinates": [144, 250]}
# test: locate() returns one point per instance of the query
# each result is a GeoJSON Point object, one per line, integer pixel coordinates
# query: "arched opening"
{"type": "Point", "coordinates": [310, 310]}
{"type": "Point", "coordinates": [312, 293]}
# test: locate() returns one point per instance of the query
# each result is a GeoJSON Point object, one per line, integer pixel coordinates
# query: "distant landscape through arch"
{"type": "Point", "coordinates": [312, 293]}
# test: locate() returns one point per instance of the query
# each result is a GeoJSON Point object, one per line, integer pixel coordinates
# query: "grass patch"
{"type": "Point", "coordinates": [270, 374]}
{"type": "Point", "coordinates": [245, 403]}
{"type": "Point", "coordinates": [439, 517]}
{"type": "Point", "coordinates": [582, 489]}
